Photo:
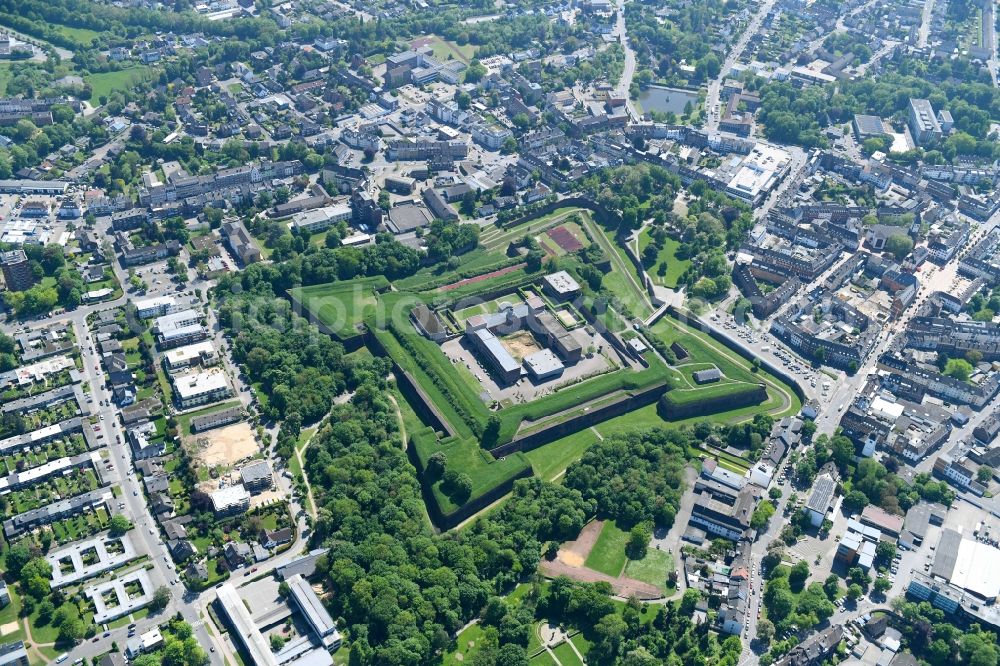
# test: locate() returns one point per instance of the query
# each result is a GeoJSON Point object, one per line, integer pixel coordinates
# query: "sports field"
{"type": "Point", "coordinates": [563, 239]}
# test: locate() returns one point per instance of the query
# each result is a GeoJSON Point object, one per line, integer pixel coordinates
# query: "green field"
{"type": "Point", "coordinates": [105, 83]}
{"type": "Point", "coordinates": [551, 460]}
{"type": "Point", "coordinates": [652, 569]}
{"type": "Point", "coordinates": [489, 307]}
{"type": "Point", "coordinates": [82, 36]}
{"type": "Point", "coordinates": [566, 656]}
{"type": "Point", "coordinates": [667, 254]}
{"type": "Point", "coordinates": [340, 306]}
{"type": "Point", "coordinates": [445, 50]}
{"type": "Point", "coordinates": [608, 554]}
{"type": "Point", "coordinates": [5, 77]}
{"type": "Point", "coordinates": [11, 613]}
{"type": "Point", "coordinates": [467, 645]}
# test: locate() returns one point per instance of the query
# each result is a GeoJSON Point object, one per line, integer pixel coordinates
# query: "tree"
{"type": "Point", "coordinates": [17, 556]}
{"type": "Point", "coordinates": [765, 630]}
{"type": "Point", "coordinates": [958, 368]}
{"type": "Point", "coordinates": [475, 72]}
{"type": "Point", "coordinates": [984, 474]}
{"type": "Point", "coordinates": [638, 541]}
{"type": "Point", "coordinates": [119, 524]}
{"type": "Point", "coordinates": [831, 586]}
{"type": "Point", "coordinates": [277, 642]}
{"type": "Point", "coordinates": [610, 631]}
{"type": "Point", "coordinates": [71, 630]}
{"type": "Point", "coordinates": [689, 601]}
{"type": "Point", "coordinates": [882, 585]}
{"type": "Point", "coordinates": [436, 465]}
{"type": "Point", "coordinates": [843, 452]}
{"type": "Point", "coordinates": [798, 575]}
{"type": "Point", "coordinates": [35, 575]}
{"type": "Point", "coordinates": [885, 551]}
{"type": "Point", "coordinates": [855, 501]}
{"type": "Point", "coordinates": [899, 245]}
{"type": "Point", "coordinates": [161, 597]}
{"type": "Point", "coordinates": [854, 592]}
{"type": "Point", "coordinates": [491, 433]}
{"type": "Point", "coordinates": [761, 515]}
{"type": "Point", "coordinates": [774, 493]}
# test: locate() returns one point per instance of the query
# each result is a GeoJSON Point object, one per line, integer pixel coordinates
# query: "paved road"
{"type": "Point", "coordinates": [715, 87]}
{"type": "Point", "coordinates": [146, 535]}
{"type": "Point", "coordinates": [625, 82]}
{"type": "Point", "coordinates": [990, 30]}
{"type": "Point", "coordinates": [925, 23]}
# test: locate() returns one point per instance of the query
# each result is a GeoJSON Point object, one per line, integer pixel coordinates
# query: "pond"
{"type": "Point", "coordinates": [665, 100]}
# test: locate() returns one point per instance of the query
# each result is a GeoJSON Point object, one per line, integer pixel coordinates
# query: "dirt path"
{"type": "Point", "coordinates": [399, 417]}
{"type": "Point", "coordinates": [305, 477]}
{"type": "Point", "coordinates": [574, 553]}
{"type": "Point", "coordinates": [619, 264]}
{"type": "Point", "coordinates": [623, 587]}
{"type": "Point", "coordinates": [34, 646]}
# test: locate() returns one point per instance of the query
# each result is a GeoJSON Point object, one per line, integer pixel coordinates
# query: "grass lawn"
{"type": "Point", "coordinates": [82, 36]}
{"type": "Point", "coordinates": [542, 659]}
{"type": "Point", "coordinates": [47, 633]}
{"type": "Point", "coordinates": [551, 460]}
{"type": "Point", "coordinates": [566, 656]}
{"type": "Point", "coordinates": [445, 50]}
{"type": "Point", "coordinates": [624, 280]}
{"type": "Point", "coordinates": [5, 77]}
{"type": "Point", "coordinates": [105, 83]}
{"type": "Point", "coordinates": [668, 254]}
{"type": "Point", "coordinates": [340, 306]}
{"type": "Point", "coordinates": [608, 554]}
{"type": "Point", "coordinates": [467, 644]}
{"type": "Point", "coordinates": [11, 613]}
{"type": "Point", "coordinates": [652, 569]}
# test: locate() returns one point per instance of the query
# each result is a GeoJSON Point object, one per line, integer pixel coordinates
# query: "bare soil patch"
{"type": "Point", "coordinates": [224, 446]}
{"type": "Point", "coordinates": [574, 553]}
{"type": "Point", "coordinates": [521, 344]}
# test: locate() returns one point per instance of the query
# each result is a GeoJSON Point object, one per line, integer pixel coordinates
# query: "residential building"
{"type": "Point", "coordinates": [217, 419]}
{"type": "Point", "coordinates": [244, 629]}
{"type": "Point", "coordinates": [202, 353]}
{"type": "Point", "coordinates": [240, 242]}
{"type": "Point", "coordinates": [200, 388]}
{"type": "Point", "coordinates": [148, 308]}
{"type": "Point", "coordinates": [13, 654]}
{"type": "Point", "coordinates": [321, 219]}
{"type": "Point", "coordinates": [179, 328]}
{"type": "Point", "coordinates": [713, 512]}
{"type": "Point", "coordinates": [256, 476]}
{"type": "Point", "coordinates": [72, 506]}
{"type": "Point", "coordinates": [230, 501]}
{"type": "Point", "coordinates": [16, 270]}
